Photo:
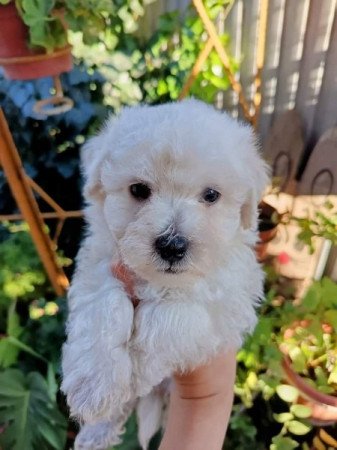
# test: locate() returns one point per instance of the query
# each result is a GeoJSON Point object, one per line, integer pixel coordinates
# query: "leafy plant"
{"type": "Point", "coordinates": [44, 330]}
{"type": "Point", "coordinates": [310, 339]}
{"type": "Point", "coordinates": [323, 224]}
{"type": "Point", "coordinates": [11, 343]}
{"type": "Point", "coordinates": [48, 21]}
{"type": "Point", "coordinates": [242, 432]}
{"type": "Point", "coordinates": [20, 265]}
{"type": "Point", "coordinates": [123, 69]}
{"type": "Point", "coordinates": [306, 331]}
{"type": "Point", "coordinates": [28, 413]}
{"type": "Point", "coordinates": [294, 421]}
{"type": "Point", "coordinates": [172, 52]}
{"type": "Point", "coordinates": [8, 349]}
{"type": "Point", "coordinates": [154, 70]}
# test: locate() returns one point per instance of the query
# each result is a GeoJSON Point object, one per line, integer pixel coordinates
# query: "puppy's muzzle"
{"type": "Point", "coordinates": [171, 248]}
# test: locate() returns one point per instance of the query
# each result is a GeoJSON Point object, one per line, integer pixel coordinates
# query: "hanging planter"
{"type": "Point", "coordinates": [20, 60]}
{"type": "Point", "coordinates": [23, 61]}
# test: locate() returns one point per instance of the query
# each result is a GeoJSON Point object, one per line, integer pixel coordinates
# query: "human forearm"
{"type": "Point", "coordinates": [200, 406]}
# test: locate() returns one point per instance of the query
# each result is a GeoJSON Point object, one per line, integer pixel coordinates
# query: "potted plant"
{"type": "Point", "coordinates": [309, 345]}
{"type": "Point", "coordinates": [289, 366]}
{"type": "Point", "coordinates": [268, 220]}
{"type": "Point", "coordinates": [27, 49]}
{"type": "Point", "coordinates": [33, 34]}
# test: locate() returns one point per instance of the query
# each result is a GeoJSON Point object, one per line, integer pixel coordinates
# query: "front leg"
{"type": "Point", "coordinates": [170, 337]}
{"type": "Point", "coordinates": [103, 434]}
{"type": "Point", "coordinates": [96, 363]}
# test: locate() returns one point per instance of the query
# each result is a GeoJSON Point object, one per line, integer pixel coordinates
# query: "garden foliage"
{"type": "Point", "coordinates": [116, 66]}
{"type": "Point", "coordinates": [113, 68]}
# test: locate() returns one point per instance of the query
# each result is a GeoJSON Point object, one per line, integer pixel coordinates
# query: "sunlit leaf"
{"type": "Point", "coordinates": [287, 393]}
{"type": "Point", "coordinates": [283, 417]}
{"type": "Point", "coordinates": [283, 443]}
{"type": "Point", "coordinates": [301, 411]}
{"type": "Point", "coordinates": [298, 428]}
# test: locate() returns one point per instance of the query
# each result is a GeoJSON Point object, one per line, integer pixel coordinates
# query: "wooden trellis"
{"type": "Point", "coordinates": [23, 187]}
{"type": "Point", "coordinates": [250, 112]}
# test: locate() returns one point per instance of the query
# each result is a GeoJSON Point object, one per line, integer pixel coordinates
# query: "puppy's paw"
{"type": "Point", "coordinates": [99, 436]}
{"type": "Point", "coordinates": [97, 390]}
{"type": "Point", "coordinates": [90, 399]}
{"type": "Point", "coordinates": [149, 372]}
{"type": "Point", "coordinates": [85, 401]}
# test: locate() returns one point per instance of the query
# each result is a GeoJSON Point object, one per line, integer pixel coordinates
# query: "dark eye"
{"type": "Point", "coordinates": [140, 191]}
{"type": "Point", "coordinates": [210, 195]}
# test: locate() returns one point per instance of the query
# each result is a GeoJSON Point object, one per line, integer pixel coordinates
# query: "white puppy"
{"type": "Point", "coordinates": [173, 192]}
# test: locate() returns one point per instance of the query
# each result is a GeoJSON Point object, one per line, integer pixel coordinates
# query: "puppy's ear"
{"type": "Point", "coordinates": [257, 177]}
{"type": "Point", "coordinates": [92, 155]}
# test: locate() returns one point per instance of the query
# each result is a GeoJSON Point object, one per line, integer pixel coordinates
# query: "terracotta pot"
{"type": "Point", "coordinates": [323, 407]}
{"type": "Point", "coordinates": [262, 246]}
{"type": "Point", "coordinates": [18, 60]}
{"type": "Point", "coordinates": [267, 229]}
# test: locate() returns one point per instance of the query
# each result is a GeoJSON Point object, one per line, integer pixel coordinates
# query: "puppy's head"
{"type": "Point", "coordinates": [177, 183]}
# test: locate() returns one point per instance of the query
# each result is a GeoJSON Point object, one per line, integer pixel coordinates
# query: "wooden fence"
{"type": "Point", "coordinates": [300, 68]}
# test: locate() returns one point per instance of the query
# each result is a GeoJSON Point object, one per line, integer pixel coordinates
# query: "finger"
{"type": "Point", "coordinates": [123, 274]}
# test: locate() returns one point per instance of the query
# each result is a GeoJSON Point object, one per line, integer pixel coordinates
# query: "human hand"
{"type": "Point", "coordinates": [200, 401]}
{"type": "Point", "coordinates": [200, 406]}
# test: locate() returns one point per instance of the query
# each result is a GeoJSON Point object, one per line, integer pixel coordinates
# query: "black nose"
{"type": "Point", "coordinates": [171, 249]}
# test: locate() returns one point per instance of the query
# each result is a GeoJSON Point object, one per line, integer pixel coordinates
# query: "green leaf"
{"type": "Point", "coordinates": [298, 359]}
{"type": "Point", "coordinates": [329, 291]}
{"type": "Point", "coordinates": [287, 393]}
{"type": "Point", "coordinates": [298, 428]}
{"type": "Point", "coordinates": [136, 7]}
{"type": "Point", "coordinates": [162, 88]}
{"type": "Point", "coordinates": [36, 10]}
{"type": "Point", "coordinates": [31, 419]}
{"type": "Point", "coordinates": [283, 417]}
{"type": "Point", "coordinates": [20, 345]}
{"type": "Point", "coordinates": [333, 377]}
{"type": "Point", "coordinates": [51, 381]}
{"type": "Point", "coordinates": [301, 411]}
{"type": "Point", "coordinates": [8, 353]}
{"type": "Point", "coordinates": [45, 29]}
{"type": "Point", "coordinates": [8, 350]}
{"type": "Point", "coordinates": [321, 376]}
{"type": "Point", "coordinates": [311, 299]}
{"type": "Point", "coordinates": [13, 322]}
{"type": "Point", "coordinates": [283, 443]}
{"type": "Point", "coordinates": [21, 271]}
{"type": "Point", "coordinates": [263, 330]}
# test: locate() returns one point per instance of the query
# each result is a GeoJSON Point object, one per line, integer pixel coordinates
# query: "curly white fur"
{"type": "Point", "coordinates": [114, 354]}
